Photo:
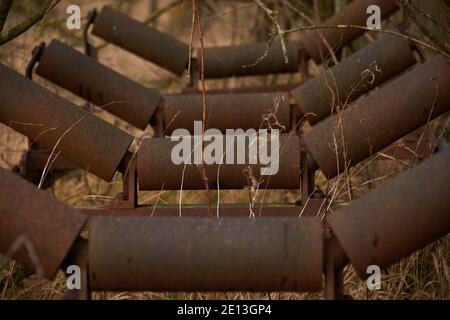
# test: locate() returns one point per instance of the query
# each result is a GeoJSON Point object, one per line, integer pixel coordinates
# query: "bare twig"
{"type": "Point", "coordinates": [27, 23]}
{"type": "Point", "coordinates": [203, 89]}
{"type": "Point", "coordinates": [351, 26]}
{"type": "Point", "coordinates": [191, 41]}
{"type": "Point", "coordinates": [162, 10]}
{"type": "Point", "coordinates": [273, 16]}
{"type": "Point", "coordinates": [5, 6]}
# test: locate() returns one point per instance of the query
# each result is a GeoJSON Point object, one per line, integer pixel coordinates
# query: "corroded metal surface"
{"type": "Point", "coordinates": [142, 40]}
{"type": "Point", "coordinates": [222, 62]}
{"type": "Point", "coordinates": [318, 42]}
{"type": "Point", "coordinates": [227, 111]}
{"type": "Point", "coordinates": [401, 216]}
{"type": "Point", "coordinates": [104, 87]}
{"type": "Point", "coordinates": [311, 209]}
{"type": "Point", "coordinates": [248, 89]}
{"type": "Point", "coordinates": [381, 118]}
{"type": "Point", "coordinates": [367, 68]}
{"type": "Point", "coordinates": [157, 171]}
{"type": "Point", "coordinates": [171, 254]}
{"type": "Point", "coordinates": [35, 229]}
{"type": "Point", "coordinates": [54, 122]}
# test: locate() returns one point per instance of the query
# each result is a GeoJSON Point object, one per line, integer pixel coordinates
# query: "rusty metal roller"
{"type": "Point", "coordinates": [381, 118]}
{"type": "Point", "coordinates": [228, 61]}
{"type": "Point", "coordinates": [157, 171]}
{"type": "Point", "coordinates": [144, 41]}
{"type": "Point", "coordinates": [54, 122]}
{"type": "Point", "coordinates": [400, 217]}
{"type": "Point", "coordinates": [35, 229]}
{"type": "Point", "coordinates": [227, 111]}
{"type": "Point", "coordinates": [354, 76]}
{"type": "Point", "coordinates": [316, 42]}
{"type": "Point", "coordinates": [204, 254]}
{"type": "Point", "coordinates": [89, 79]}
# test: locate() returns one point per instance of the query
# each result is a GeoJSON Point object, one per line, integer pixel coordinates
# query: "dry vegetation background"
{"type": "Point", "coordinates": [423, 275]}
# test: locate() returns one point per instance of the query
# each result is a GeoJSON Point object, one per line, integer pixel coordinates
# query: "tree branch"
{"type": "Point", "coordinates": [27, 23]}
{"type": "Point", "coordinates": [350, 26]}
{"type": "Point", "coordinates": [155, 15]}
{"type": "Point", "coordinates": [273, 16]}
{"type": "Point", "coordinates": [5, 6]}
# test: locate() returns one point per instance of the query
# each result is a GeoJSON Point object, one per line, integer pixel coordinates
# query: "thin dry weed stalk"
{"type": "Point", "coordinates": [283, 33]}
{"type": "Point", "coordinates": [47, 165]}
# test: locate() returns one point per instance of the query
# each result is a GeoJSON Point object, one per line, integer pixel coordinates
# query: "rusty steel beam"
{"type": "Point", "coordinates": [398, 218]}
{"type": "Point", "coordinates": [87, 78]}
{"type": "Point", "coordinates": [369, 67]}
{"type": "Point", "coordinates": [251, 89]}
{"type": "Point", "coordinates": [35, 229]}
{"type": "Point", "coordinates": [142, 40]}
{"type": "Point", "coordinates": [229, 61]}
{"type": "Point", "coordinates": [157, 171]}
{"type": "Point", "coordinates": [202, 254]}
{"type": "Point", "coordinates": [227, 111]}
{"type": "Point", "coordinates": [318, 42]}
{"type": "Point", "coordinates": [381, 118]}
{"type": "Point", "coordinates": [311, 209]}
{"type": "Point", "coordinates": [55, 123]}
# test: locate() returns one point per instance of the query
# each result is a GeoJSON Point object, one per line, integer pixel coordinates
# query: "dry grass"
{"type": "Point", "coordinates": [423, 275]}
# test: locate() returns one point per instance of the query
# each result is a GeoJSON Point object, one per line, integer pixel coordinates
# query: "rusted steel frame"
{"type": "Point", "coordinates": [251, 89]}
{"type": "Point", "coordinates": [240, 60]}
{"type": "Point", "coordinates": [335, 260]}
{"type": "Point", "coordinates": [203, 254]}
{"type": "Point", "coordinates": [35, 56]}
{"type": "Point", "coordinates": [310, 209]}
{"type": "Point", "coordinates": [318, 42]}
{"type": "Point", "coordinates": [307, 174]}
{"type": "Point", "coordinates": [98, 84]}
{"type": "Point", "coordinates": [89, 49]}
{"type": "Point", "coordinates": [369, 67]}
{"type": "Point", "coordinates": [35, 229]}
{"type": "Point", "coordinates": [33, 162]}
{"type": "Point", "coordinates": [142, 40]}
{"type": "Point", "coordinates": [157, 171]}
{"type": "Point", "coordinates": [55, 123]}
{"type": "Point", "coordinates": [128, 198]}
{"type": "Point", "coordinates": [400, 217]}
{"type": "Point", "coordinates": [381, 118]}
{"type": "Point", "coordinates": [228, 111]}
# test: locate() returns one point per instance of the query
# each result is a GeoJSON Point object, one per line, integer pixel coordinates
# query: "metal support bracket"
{"type": "Point", "coordinates": [35, 57]}
{"type": "Point", "coordinates": [89, 49]}
{"type": "Point", "coordinates": [127, 199]}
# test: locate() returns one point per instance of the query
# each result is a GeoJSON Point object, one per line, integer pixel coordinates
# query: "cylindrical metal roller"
{"type": "Point", "coordinates": [367, 68]}
{"type": "Point", "coordinates": [318, 42]}
{"type": "Point", "coordinates": [56, 123]}
{"type": "Point", "coordinates": [227, 111]}
{"type": "Point", "coordinates": [222, 62]}
{"type": "Point", "coordinates": [205, 254]}
{"type": "Point", "coordinates": [157, 170]}
{"type": "Point", "coordinates": [142, 40]}
{"type": "Point", "coordinates": [87, 78]}
{"type": "Point", "coordinates": [35, 229]}
{"type": "Point", "coordinates": [401, 216]}
{"type": "Point", "coordinates": [381, 118]}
